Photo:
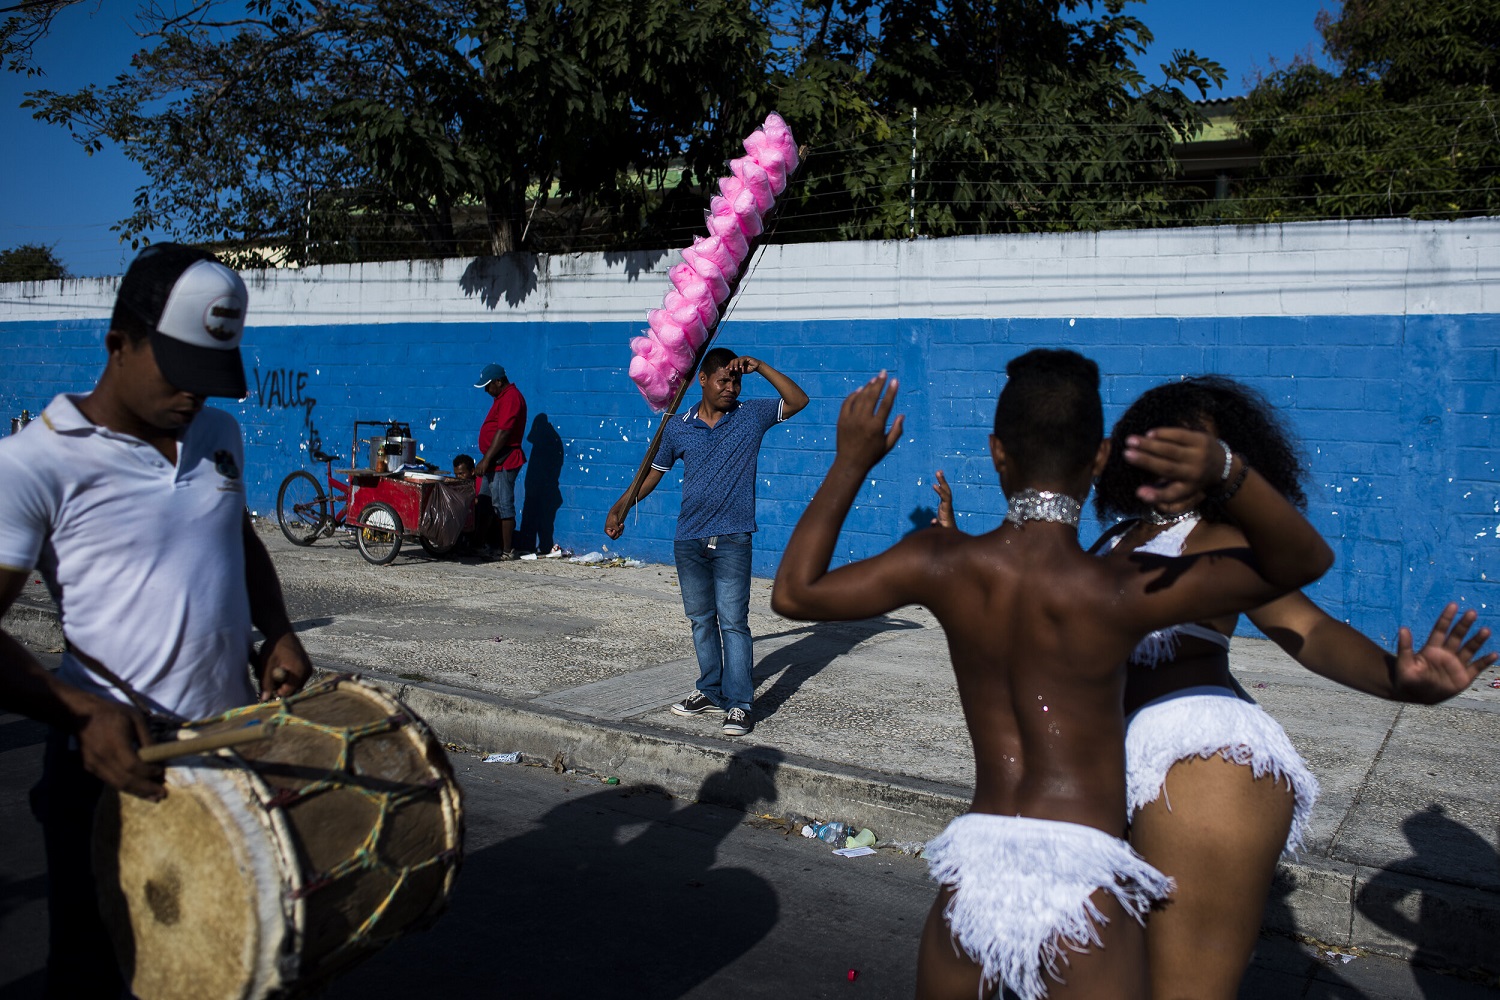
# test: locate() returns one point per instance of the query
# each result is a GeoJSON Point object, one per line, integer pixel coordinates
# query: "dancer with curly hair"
{"type": "Point", "coordinates": [1216, 791]}
{"type": "Point", "coordinates": [1039, 893]}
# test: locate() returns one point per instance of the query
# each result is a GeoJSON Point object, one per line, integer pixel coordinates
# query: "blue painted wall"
{"type": "Point", "coordinates": [1397, 415]}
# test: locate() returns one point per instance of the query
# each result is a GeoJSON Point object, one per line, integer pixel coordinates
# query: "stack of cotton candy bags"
{"type": "Point", "coordinates": [701, 284]}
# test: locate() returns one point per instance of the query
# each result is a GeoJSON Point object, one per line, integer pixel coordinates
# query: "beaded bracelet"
{"type": "Point", "coordinates": [1224, 495]}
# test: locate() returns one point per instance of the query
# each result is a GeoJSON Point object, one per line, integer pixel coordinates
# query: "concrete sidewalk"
{"type": "Point", "coordinates": [861, 721]}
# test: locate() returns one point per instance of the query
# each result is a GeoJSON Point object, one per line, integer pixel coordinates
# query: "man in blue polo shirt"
{"type": "Point", "coordinates": [718, 441]}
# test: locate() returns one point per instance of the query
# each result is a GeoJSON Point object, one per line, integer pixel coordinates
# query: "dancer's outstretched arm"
{"type": "Point", "coordinates": [1445, 665]}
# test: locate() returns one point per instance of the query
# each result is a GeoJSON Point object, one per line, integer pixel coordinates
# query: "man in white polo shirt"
{"type": "Point", "coordinates": [129, 501]}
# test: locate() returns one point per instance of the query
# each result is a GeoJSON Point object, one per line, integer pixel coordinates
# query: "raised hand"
{"type": "Point", "coordinates": [1446, 664]}
{"type": "Point", "coordinates": [743, 365]}
{"type": "Point", "coordinates": [1188, 463]}
{"type": "Point", "coordinates": [862, 435]}
{"type": "Point", "coordinates": [945, 518]}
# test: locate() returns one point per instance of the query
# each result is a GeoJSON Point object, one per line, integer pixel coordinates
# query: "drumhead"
{"type": "Point", "coordinates": [191, 888]}
{"type": "Point", "coordinates": [273, 867]}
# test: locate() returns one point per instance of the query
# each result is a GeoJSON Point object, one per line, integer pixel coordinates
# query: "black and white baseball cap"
{"type": "Point", "coordinates": [195, 308]}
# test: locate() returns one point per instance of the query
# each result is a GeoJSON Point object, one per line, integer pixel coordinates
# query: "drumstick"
{"type": "Point", "coordinates": [158, 752]}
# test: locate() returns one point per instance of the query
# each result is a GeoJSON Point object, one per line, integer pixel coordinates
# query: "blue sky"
{"type": "Point", "coordinates": [56, 195]}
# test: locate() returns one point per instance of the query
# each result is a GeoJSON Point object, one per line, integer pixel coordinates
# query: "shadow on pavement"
{"type": "Point", "coordinates": [20, 733]}
{"type": "Point", "coordinates": [1439, 843]}
{"type": "Point", "coordinates": [796, 662]}
{"type": "Point", "coordinates": [1285, 968]}
{"type": "Point", "coordinates": [615, 894]}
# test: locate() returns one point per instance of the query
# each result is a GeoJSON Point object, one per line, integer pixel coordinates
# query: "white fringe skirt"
{"type": "Point", "coordinates": [1021, 891]}
{"type": "Point", "coordinates": [1202, 722]}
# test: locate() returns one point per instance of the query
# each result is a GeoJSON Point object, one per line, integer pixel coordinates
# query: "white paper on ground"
{"type": "Point", "coordinates": [504, 758]}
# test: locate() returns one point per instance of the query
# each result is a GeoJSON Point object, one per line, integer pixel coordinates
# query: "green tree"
{"type": "Point", "coordinates": [365, 129]}
{"type": "Point", "coordinates": [25, 23]}
{"type": "Point", "coordinates": [1030, 115]}
{"type": "Point", "coordinates": [30, 262]}
{"type": "Point", "coordinates": [371, 129]}
{"type": "Point", "coordinates": [1407, 124]}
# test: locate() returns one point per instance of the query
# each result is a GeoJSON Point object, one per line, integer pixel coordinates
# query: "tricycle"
{"type": "Point", "coordinates": [391, 500]}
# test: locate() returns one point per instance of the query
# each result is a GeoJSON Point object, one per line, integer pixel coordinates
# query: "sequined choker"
{"type": "Point", "coordinates": [1162, 520]}
{"type": "Point", "coordinates": [1043, 505]}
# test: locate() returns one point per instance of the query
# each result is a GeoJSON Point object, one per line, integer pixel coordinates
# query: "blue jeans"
{"type": "Point", "coordinates": [716, 596]}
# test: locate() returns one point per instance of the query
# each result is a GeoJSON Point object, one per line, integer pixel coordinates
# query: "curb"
{"type": "Point", "coordinates": [750, 778]}
{"type": "Point", "coordinates": [34, 627]}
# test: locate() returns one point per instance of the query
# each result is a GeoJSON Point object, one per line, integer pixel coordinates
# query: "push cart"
{"type": "Point", "coordinates": [382, 504]}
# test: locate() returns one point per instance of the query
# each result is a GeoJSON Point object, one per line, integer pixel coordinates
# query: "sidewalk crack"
{"type": "Point", "coordinates": [1364, 781]}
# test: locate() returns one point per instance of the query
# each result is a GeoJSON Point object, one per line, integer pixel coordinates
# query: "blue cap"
{"type": "Point", "coordinates": [490, 374]}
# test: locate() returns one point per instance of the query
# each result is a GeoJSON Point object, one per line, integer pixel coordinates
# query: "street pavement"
{"type": "Point", "coordinates": [574, 888]}
{"type": "Point", "coordinates": [861, 721]}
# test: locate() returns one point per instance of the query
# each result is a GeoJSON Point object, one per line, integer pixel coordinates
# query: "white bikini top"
{"type": "Point", "coordinates": [1161, 645]}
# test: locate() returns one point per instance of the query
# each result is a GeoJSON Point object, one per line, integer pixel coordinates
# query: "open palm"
{"type": "Point", "coordinates": [1446, 663]}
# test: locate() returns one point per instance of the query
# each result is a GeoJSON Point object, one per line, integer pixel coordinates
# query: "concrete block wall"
{"type": "Point", "coordinates": [1379, 340]}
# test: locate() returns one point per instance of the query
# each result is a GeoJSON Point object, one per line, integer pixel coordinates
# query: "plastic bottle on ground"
{"type": "Point", "coordinates": [832, 833]}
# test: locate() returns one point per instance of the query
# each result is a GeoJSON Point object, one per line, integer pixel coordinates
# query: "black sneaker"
{"type": "Point", "coordinates": [696, 704]}
{"type": "Point", "coordinates": [737, 722]}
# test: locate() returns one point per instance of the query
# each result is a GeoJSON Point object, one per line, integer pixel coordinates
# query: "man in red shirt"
{"type": "Point", "coordinates": [501, 457]}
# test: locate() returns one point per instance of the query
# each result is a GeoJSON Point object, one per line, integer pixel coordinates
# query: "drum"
{"type": "Point", "coordinates": [269, 868]}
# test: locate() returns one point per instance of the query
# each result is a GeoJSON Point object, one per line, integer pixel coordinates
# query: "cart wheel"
{"type": "Point", "coordinates": [379, 535]}
{"type": "Point", "coordinates": [301, 508]}
{"type": "Point", "coordinates": [436, 551]}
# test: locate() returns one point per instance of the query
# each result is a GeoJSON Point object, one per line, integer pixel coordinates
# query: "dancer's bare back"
{"type": "Point", "coordinates": [1038, 630]}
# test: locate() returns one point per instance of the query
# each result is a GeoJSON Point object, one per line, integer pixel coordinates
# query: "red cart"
{"type": "Point", "coordinates": [381, 508]}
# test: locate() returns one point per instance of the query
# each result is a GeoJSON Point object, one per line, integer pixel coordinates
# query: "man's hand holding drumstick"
{"type": "Point", "coordinates": [110, 737]}
{"type": "Point", "coordinates": [108, 733]}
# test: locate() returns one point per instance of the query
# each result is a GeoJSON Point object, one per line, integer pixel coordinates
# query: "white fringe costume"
{"type": "Point", "coordinates": [1203, 722]}
{"type": "Point", "coordinates": [1021, 890]}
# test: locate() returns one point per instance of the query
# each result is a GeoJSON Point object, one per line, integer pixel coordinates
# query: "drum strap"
{"type": "Point", "coordinates": [153, 713]}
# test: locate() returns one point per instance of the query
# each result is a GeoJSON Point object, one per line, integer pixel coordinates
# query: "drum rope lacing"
{"type": "Point", "coordinates": [366, 856]}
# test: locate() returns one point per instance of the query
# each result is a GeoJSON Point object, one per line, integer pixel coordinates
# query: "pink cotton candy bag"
{"type": "Point", "coordinates": [704, 281]}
